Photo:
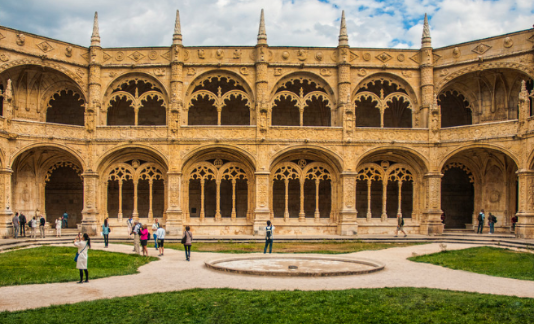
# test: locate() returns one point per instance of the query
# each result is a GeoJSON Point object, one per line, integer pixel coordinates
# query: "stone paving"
{"type": "Point", "coordinates": [171, 272]}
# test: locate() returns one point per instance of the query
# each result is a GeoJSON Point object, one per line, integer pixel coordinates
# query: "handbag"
{"type": "Point", "coordinates": [184, 238]}
{"type": "Point", "coordinates": [78, 254]}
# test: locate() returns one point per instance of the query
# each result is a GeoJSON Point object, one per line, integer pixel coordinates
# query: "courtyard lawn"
{"type": "Point", "coordinates": [485, 260]}
{"type": "Point", "coordinates": [389, 305]}
{"type": "Point", "coordinates": [47, 264]}
{"type": "Point", "coordinates": [325, 247]}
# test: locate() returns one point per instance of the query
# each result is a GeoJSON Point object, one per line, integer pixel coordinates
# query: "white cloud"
{"type": "Point", "coordinates": [388, 23]}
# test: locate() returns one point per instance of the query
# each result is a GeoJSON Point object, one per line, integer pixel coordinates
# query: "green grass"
{"type": "Point", "coordinates": [397, 305]}
{"type": "Point", "coordinates": [47, 264]}
{"type": "Point", "coordinates": [326, 247]}
{"type": "Point", "coordinates": [485, 260]}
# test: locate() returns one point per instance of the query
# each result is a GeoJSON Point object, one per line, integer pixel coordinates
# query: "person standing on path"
{"type": "Point", "coordinates": [155, 227]}
{"type": "Point", "coordinates": [42, 222]}
{"type": "Point", "coordinates": [187, 241]}
{"type": "Point", "coordinates": [34, 225]}
{"type": "Point", "coordinates": [59, 223]}
{"type": "Point", "coordinates": [491, 222]}
{"type": "Point", "coordinates": [130, 224]}
{"type": "Point", "coordinates": [514, 221]}
{"type": "Point", "coordinates": [22, 222]}
{"type": "Point", "coordinates": [161, 240]}
{"type": "Point", "coordinates": [143, 236]}
{"type": "Point", "coordinates": [269, 237]}
{"type": "Point", "coordinates": [400, 225]}
{"type": "Point", "coordinates": [16, 224]}
{"type": "Point", "coordinates": [83, 256]}
{"type": "Point", "coordinates": [105, 232]}
{"type": "Point", "coordinates": [480, 219]}
{"type": "Point", "coordinates": [135, 232]}
{"type": "Point", "coordinates": [65, 220]}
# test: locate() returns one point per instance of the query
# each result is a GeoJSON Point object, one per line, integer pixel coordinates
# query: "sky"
{"type": "Point", "coordinates": [370, 23]}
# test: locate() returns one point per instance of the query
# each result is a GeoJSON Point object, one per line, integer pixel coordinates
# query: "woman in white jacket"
{"type": "Point", "coordinates": [81, 262]}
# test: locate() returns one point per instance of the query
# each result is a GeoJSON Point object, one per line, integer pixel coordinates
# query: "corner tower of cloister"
{"type": "Point", "coordinates": [318, 140]}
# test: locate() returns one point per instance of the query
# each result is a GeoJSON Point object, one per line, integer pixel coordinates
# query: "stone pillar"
{"type": "Point", "coordinates": [177, 85]}
{"type": "Point", "coordinates": [174, 222]}
{"type": "Point", "coordinates": [431, 223]}
{"type": "Point", "coordinates": [427, 76]}
{"type": "Point", "coordinates": [347, 224]}
{"type": "Point", "coordinates": [90, 210]}
{"type": "Point", "coordinates": [5, 203]}
{"type": "Point", "coordinates": [525, 215]}
{"type": "Point", "coordinates": [93, 104]}
{"type": "Point", "coordinates": [262, 213]}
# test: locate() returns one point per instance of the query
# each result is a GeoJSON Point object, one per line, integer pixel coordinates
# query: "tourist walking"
{"type": "Point", "coordinates": [400, 225]}
{"type": "Point", "coordinates": [143, 236]}
{"type": "Point", "coordinates": [42, 222]}
{"type": "Point", "coordinates": [187, 241]}
{"type": "Point", "coordinates": [480, 219]}
{"type": "Point", "coordinates": [269, 237]}
{"type": "Point", "coordinates": [22, 222]}
{"type": "Point", "coordinates": [135, 232]}
{"type": "Point", "coordinates": [491, 222]}
{"type": "Point", "coordinates": [83, 244]}
{"type": "Point", "coordinates": [34, 225]}
{"type": "Point", "coordinates": [59, 223]}
{"type": "Point", "coordinates": [155, 227]}
{"type": "Point", "coordinates": [161, 240]}
{"type": "Point", "coordinates": [65, 220]}
{"type": "Point", "coordinates": [16, 224]}
{"type": "Point", "coordinates": [105, 232]}
{"type": "Point", "coordinates": [514, 221]}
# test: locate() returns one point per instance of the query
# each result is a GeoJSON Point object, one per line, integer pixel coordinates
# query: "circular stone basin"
{"type": "Point", "coordinates": [295, 266]}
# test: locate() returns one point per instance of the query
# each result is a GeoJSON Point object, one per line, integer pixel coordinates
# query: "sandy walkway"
{"type": "Point", "coordinates": [172, 273]}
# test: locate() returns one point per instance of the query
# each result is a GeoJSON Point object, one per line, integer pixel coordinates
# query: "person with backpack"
{"type": "Point", "coordinates": [491, 222]}
{"type": "Point", "coordinates": [187, 241]}
{"type": "Point", "coordinates": [155, 227]}
{"type": "Point", "coordinates": [400, 225]}
{"type": "Point", "coordinates": [83, 243]}
{"type": "Point", "coordinates": [42, 223]}
{"type": "Point", "coordinates": [480, 219]}
{"type": "Point", "coordinates": [22, 220]}
{"type": "Point", "coordinates": [269, 231]}
{"type": "Point", "coordinates": [514, 221]}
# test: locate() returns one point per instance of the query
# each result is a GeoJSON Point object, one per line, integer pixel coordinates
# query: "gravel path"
{"type": "Point", "coordinates": [172, 273]}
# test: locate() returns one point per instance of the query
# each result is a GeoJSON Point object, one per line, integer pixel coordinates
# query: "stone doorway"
{"type": "Point", "coordinates": [457, 198]}
{"type": "Point", "coordinates": [64, 193]}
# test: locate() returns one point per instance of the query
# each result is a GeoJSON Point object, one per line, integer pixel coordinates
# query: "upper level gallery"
{"type": "Point", "coordinates": [468, 91]}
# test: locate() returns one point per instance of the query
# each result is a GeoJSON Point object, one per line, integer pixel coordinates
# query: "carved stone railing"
{"type": "Point", "coordinates": [397, 135]}
{"type": "Point", "coordinates": [40, 129]}
{"type": "Point", "coordinates": [223, 133]}
{"type": "Point", "coordinates": [312, 134]}
{"type": "Point", "coordinates": [131, 132]}
{"type": "Point", "coordinates": [479, 131]}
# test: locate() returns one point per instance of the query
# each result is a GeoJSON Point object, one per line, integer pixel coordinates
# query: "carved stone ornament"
{"type": "Point", "coordinates": [201, 54]}
{"type": "Point", "coordinates": [112, 74]}
{"type": "Point", "coordinates": [68, 51]}
{"type": "Point", "coordinates": [80, 72]}
{"type": "Point", "coordinates": [159, 72]}
{"type": "Point", "coordinates": [278, 71]}
{"type": "Point", "coordinates": [456, 53]}
{"type": "Point", "coordinates": [319, 56]}
{"type": "Point", "coordinates": [508, 42]}
{"type": "Point", "coordinates": [302, 55]}
{"type": "Point", "coordinates": [136, 56]}
{"type": "Point", "coordinates": [436, 57]}
{"type": "Point", "coordinates": [120, 56]}
{"type": "Point", "coordinates": [219, 54]}
{"type": "Point", "coordinates": [481, 49]}
{"type": "Point", "coordinates": [152, 55]}
{"type": "Point", "coordinates": [2, 36]}
{"type": "Point", "coordinates": [362, 72]}
{"type": "Point", "coordinates": [531, 39]}
{"type": "Point", "coordinates": [237, 54]}
{"type": "Point", "coordinates": [383, 57]}
{"type": "Point", "coordinates": [325, 72]}
{"type": "Point", "coordinates": [444, 72]}
{"type": "Point", "coordinates": [407, 73]}
{"type": "Point", "coordinates": [106, 57]}
{"type": "Point", "coordinates": [243, 70]}
{"type": "Point", "coordinates": [285, 55]}
{"type": "Point", "coordinates": [353, 56]}
{"type": "Point", "coordinates": [186, 55]}
{"type": "Point", "coordinates": [191, 71]}
{"type": "Point", "coordinates": [4, 57]}
{"type": "Point", "coordinates": [166, 55]}
{"type": "Point", "coordinates": [45, 47]}
{"type": "Point", "coordinates": [416, 58]}
{"type": "Point", "coordinates": [366, 56]}
{"type": "Point", "coordinates": [401, 57]}
{"type": "Point", "coordinates": [21, 39]}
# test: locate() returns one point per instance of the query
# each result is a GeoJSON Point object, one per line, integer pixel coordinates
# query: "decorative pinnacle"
{"type": "Point", "coordinates": [177, 36]}
{"type": "Point", "coordinates": [426, 32]}
{"type": "Point", "coordinates": [95, 37]}
{"type": "Point", "coordinates": [262, 34]}
{"type": "Point", "coordinates": [343, 37]}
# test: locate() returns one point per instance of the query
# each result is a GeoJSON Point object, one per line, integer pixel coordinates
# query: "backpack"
{"type": "Point", "coordinates": [494, 219]}
{"type": "Point", "coordinates": [269, 232]}
{"type": "Point", "coordinates": [479, 217]}
{"type": "Point", "coordinates": [402, 221]}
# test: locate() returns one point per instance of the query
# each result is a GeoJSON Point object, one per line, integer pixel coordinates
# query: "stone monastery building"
{"type": "Point", "coordinates": [318, 140]}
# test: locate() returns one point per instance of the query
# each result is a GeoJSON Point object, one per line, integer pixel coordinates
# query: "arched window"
{"type": "Point", "coordinates": [66, 107]}
{"type": "Point", "coordinates": [455, 109]}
